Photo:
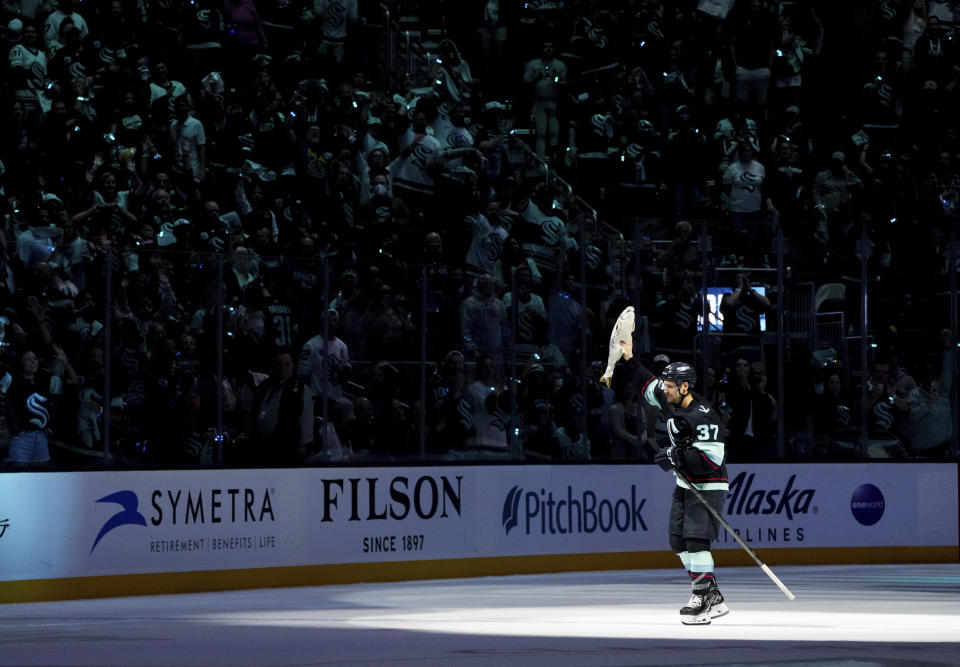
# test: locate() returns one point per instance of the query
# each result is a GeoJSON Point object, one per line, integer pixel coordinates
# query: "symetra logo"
{"type": "Point", "coordinates": [744, 499]}
{"type": "Point", "coordinates": [128, 516]}
{"type": "Point", "coordinates": [867, 504]}
{"type": "Point", "coordinates": [572, 512]}
{"type": "Point", "coordinates": [179, 507]}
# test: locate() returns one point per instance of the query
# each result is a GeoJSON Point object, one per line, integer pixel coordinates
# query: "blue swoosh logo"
{"type": "Point", "coordinates": [128, 516]}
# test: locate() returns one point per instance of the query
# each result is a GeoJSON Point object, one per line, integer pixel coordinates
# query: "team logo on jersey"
{"type": "Point", "coordinates": [678, 436]}
{"type": "Point", "coordinates": [130, 362]}
{"type": "Point", "coordinates": [37, 406]}
{"type": "Point", "coordinates": [552, 230]}
{"type": "Point", "coordinates": [107, 56]}
{"type": "Point", "coordinates": [526, 326]}
{"type": "Point", "coordinates": [459, 139]}
{"type": "Point", "coordinates": [745, 318]}
{"type": "Point", "coordinates": [683, 317]}
{"type": "Point", "coordinates": [77, 70]}
{"type": "Point", "coordinates": [886, 95]}
{"type": "Point", "coordinates": [38, 72]}
{"type": "Point", "coordinates": [498, 420]}
{"type": "Point", "coordinates": [883, 416]}
{"type": "Point", "coordinates": [335, 17]}
{"type": "Point", "coordinates": [203, 19]}
{"type": "Point", "coordinates": [493, 246]}
{"type": "Point", "coordinates": [592, 257]}
{"type": "Point", "coordinates": [749, 182]}
{"type": "Point", "coordinates": [843, 415]}
{"type": "Point", "coordinates": [421, 155]}
{"type": "Point", "coordinates": [653, 27]}
{"type": "Point", "coordinates": [465, 412]}
{"type": "Point", "coordinates": [382, 213]}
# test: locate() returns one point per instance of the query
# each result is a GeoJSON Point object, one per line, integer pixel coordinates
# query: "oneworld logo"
{"type": "Point", "coordinates": [126, 517]}
{"type": "Point", "coordinates": [867, 504]}
{"type": "Point", "coordinates": [571, 512]}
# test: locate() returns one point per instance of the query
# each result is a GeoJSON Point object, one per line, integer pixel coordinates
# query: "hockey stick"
{"type": "Point", "coordinates": [733, 533]}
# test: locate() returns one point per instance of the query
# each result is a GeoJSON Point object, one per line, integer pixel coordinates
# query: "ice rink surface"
{"type": "Point", "coordinates": [849, 616]}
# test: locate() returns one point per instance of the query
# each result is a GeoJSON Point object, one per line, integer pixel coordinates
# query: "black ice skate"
{"type": "Point", "coordinates": [719, 607]}
{"type": "Point", "coordinates": [703, 606]}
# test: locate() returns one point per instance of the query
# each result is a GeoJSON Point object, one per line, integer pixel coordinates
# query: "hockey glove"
{"type": "Point", "coordinates": [668, 457]}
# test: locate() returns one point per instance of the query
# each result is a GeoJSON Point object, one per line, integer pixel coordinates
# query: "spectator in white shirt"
{"type": "Point", "coordinates": [743, 179]}
{"type": "Point", "coordinates": [189, 140]}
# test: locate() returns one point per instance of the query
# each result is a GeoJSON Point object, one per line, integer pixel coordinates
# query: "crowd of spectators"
{"type": "Point", "coordinates": [287, 251]}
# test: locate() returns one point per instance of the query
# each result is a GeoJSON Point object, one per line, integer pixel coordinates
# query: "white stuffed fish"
{"type": "Point", "coordinates": [622, 331]}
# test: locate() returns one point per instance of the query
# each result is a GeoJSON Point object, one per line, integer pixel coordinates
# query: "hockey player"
{"type": "Point", "coordinates": [696, 456]}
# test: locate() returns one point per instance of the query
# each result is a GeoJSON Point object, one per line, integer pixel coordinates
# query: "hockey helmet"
{"type": "Point", "coordinates": [679, 372]}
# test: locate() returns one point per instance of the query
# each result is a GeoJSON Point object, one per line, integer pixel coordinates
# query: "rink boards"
{"type": "Point", "coordinates": [95, 534]}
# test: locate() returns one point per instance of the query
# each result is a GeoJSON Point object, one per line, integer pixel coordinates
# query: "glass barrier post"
{"type": "Point", "coordinates": [514, 442]}
{"type": "Point", "coordinates": [706, 271]}
{"type": "Point", "coordinates": [781, 334]}
{"type": "Point", "coordinates": [511, 360]}
{"type": "Point", "coordinates": [511, 371]}
{"type": "Point", "coordinates": [864, 370]}
{"type": "Point", "coordinates": [218, 437]}
{"type": "Point", "coordinates": [582, 240]}
{"type": "Point", "coordinates": [388, 27]}
{"type": "Point", "coordinates": [422, 416]}
{"type": "Point", "coordinates": [107, 352]}
{"type": "Point", "coordinates": [325, 327]}
{"type": "Point", "coordinates": [954, 451]}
